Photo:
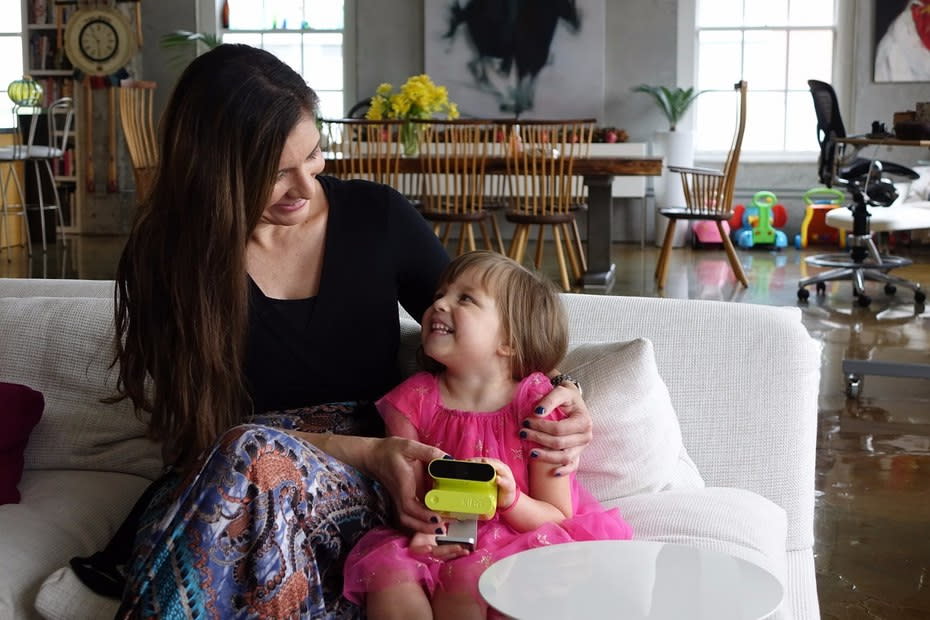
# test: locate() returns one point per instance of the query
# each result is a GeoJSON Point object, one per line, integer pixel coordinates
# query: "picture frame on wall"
{"type": "Point", "coordinates": [902, 41]}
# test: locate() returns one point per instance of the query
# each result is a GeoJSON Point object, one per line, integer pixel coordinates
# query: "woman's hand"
{"type": "Point", "coordinates": [399, 464]}
{"type": "Point", "coordinates": [563, 441]}
{"type": "Point", "coordinates": [506, 485]}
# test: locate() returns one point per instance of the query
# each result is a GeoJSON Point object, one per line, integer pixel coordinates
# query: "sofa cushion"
{"type": "Point", "coordinates": [20, 410]}
{"type": "Point", "coordinates": [62, 514]}
{"type": "Point", "coordinates": [62, 596]}
{"type": "Point", "coordinates": [637, 444]}
{"type": "Point", "coordinates": [63, 347]}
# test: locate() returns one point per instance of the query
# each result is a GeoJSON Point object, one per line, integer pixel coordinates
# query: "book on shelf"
{"type": "Point", "coordinates": [39, 13]}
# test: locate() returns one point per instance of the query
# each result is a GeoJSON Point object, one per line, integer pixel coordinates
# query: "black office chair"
{"type": "Point", "coordinates": [868, 187]}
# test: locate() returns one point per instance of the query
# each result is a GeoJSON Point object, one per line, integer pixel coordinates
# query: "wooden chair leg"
{"type": "Point", "coordinates": [485, 234]}
{"type": "Point", "coordinates": [563, 272]}
{"type": "Point", "coordinates": [732, 256]}
{"type": "Point", "coordinates": [516, 247]}
{"type": "Point", "coordinates": [469, 229]}
{"type": "Point", "coordinates": [662, 267]}
{"type": "Point", "coordinates": [460, 248]}
{"type": "Point", "coordinates": [581, 256]}
{"type": "Point", "coordinates": [540, 239]}
{"type": "Point", "coordinates": [446, 231]}
{"type": "Point", "coordinates": [497, 234]}
{"type": "Point", "coordinates": [570, 249]}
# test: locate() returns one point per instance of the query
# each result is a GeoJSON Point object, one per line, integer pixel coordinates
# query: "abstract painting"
{"type": "Point", "coordinates": [902, 41]}
{"type": "Point", "coordinates": [518, 58]}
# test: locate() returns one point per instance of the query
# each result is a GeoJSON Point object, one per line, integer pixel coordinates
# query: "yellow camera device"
{"type": "Point", "coordinates": [462, 489]}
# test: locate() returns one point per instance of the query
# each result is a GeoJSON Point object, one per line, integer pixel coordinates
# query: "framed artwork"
{"type": "Point", "coordinates": [518, 58]}
{"type": "Point", "coordinates": [902, 41]}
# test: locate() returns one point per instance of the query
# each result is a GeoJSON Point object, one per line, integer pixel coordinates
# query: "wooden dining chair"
{"type": "Point", "coordinates": [708, 197]}
{"type": "Point", "coordinates": [373, 148]}
{"type": "Point", "coordinates": [136, 117]}
{"type": "Point", "coordinates": [453, 155]}
{"type": "Point", "coordinates": [541, 157]}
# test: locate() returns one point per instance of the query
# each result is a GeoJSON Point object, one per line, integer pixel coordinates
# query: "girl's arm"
{"type": "Point", "coordinates": [549, 499]}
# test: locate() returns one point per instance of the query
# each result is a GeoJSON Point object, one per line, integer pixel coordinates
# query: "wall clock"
{"type": "Point", "coordinates": [99, 41]}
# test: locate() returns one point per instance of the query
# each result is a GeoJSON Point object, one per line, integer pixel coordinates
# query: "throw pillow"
{"type": "Point", "coordinates": [20, 410]}
{"type": "Point", "coordinates": [637, 445]}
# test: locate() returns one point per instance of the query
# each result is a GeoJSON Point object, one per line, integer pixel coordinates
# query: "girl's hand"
{"type": "Point", "coordinates": [506, 485]}
{"type": "Point", "coordinates": [425, 544]}
{"type": "Point", "coordinates": [563, 440]}
{"type": "Point", "coordinates": [399, 465]}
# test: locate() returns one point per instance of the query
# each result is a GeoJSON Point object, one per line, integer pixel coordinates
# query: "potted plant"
{"type": "Point", "coordinates": [674, 102]}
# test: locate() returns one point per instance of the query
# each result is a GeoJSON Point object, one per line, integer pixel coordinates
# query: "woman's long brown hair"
{"type": "Point", "coordinates": [181, 294]}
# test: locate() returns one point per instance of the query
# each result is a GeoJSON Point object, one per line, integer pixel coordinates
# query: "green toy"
{"type": "Point", "coordinates": [462, 489]}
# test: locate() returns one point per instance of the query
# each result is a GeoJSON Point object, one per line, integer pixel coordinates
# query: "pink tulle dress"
{"type": "Point", "coordinates": [381, 558]}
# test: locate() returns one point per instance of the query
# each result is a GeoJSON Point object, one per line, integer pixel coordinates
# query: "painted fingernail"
{"type": "Point", "coordinates": [439, 530]}
{"type": "Point", "coordinates": [434, 519]}
{"type": "Point", "coordinates": [447, 456]}
{"type": "Point", "coordinates": [558, 473]}
{"type": "Point", "coordinates": [526, 423]}
{"type": "Point", "coordinates": [539, 410]}
{"type": "Point", "coordinates": [534, 454]}
{"type": "Point", "coordinates": [522, 434]}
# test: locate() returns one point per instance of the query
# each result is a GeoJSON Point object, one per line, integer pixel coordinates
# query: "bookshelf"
{"type": "Point", "coordinates": [45, 61]}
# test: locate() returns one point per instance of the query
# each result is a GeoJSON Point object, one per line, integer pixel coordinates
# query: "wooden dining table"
{"type": "Point", "coordinates": [598, 173]}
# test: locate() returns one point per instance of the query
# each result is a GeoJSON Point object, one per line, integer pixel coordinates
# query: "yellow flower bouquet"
{"type": "Point", "coordinates": [418, 98]}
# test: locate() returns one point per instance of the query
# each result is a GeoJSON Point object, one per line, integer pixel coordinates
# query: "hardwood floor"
{"type": "Point", "coordinates": [873, 457]}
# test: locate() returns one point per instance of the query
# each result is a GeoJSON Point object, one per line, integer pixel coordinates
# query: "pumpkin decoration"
{"type": "Point", "coordinates": [25, 92]}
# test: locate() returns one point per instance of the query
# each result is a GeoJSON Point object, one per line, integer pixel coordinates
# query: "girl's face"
{"type": "Point", "coordinates": [295, 182]}
{"type": "Point", "coordinates": [463, 327]}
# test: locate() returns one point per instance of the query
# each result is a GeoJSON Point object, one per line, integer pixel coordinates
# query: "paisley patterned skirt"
{"type": "Point", "coordinates": [261, 530]}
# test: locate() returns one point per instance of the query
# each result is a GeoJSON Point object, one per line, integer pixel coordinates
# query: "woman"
{"type": "Point", "coordinates": [251, 284]}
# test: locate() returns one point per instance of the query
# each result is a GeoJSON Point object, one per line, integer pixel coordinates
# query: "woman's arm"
{"type": "Point", "coordinates": [563, 440]}
{"type": "Point", "coordinates": [549, 499]}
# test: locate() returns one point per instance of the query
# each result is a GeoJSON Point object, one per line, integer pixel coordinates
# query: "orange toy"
{"type": "Point", "coordinates": [814, 229]}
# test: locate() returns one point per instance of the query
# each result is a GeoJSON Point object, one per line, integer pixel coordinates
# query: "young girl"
{"type": "Point", "coordinates": [492, 334]}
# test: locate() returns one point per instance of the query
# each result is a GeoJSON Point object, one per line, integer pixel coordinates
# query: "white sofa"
{"type": "Point", "coordinates": [743, 380]}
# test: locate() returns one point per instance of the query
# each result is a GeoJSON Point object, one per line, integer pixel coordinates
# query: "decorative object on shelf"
{"type": "Point", "coordinates": [418, 98]}
{"type": "Point", "coordinates": [609, 135]}
{"type": "Point", "coordinates": [25, 92]}
{"type": "Point", "coordinates": [674, 102]}
{"type": "Point", "coordinates": [99, 40]}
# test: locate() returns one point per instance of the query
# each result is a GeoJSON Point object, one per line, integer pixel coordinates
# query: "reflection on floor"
{"type": "Point", "coordinates": [873, 462]}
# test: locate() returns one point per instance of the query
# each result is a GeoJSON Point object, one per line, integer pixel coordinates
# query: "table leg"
{"type": "Point", "coordinates": [600, 273]}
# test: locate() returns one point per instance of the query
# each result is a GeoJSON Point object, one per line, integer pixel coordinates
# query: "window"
{"type": "Point", "coordinates": [308, 35]}
{"type": "Point", "coordinates": [11, 50]}
{"type": "Point", "coordinates": [776, 46]}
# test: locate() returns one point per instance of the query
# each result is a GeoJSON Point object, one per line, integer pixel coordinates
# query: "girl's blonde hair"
{"type": "Point", "coordinates": [531, 313]}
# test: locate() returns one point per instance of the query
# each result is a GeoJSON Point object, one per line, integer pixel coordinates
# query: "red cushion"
{"type": "Point", "coordinates": [20, 410]}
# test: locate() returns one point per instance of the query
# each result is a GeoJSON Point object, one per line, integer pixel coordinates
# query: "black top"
{"type": "Point", "coordinates": [342, 344]}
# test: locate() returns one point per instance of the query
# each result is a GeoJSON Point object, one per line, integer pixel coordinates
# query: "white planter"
{"type": "Point", "coordinates": [677, 149]}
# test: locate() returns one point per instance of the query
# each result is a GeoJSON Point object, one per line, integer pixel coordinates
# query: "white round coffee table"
{"type": "Point", "coordinates": [629, 580]}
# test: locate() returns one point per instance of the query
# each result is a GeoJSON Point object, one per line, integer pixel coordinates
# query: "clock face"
{"type": "Point", "coordinates": [99, 41]}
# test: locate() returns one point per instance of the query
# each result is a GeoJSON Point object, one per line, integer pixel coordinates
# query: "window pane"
{"type": "Point", "coordinates": [765, 59]}
{"type": "Point", "coordinates": [325, 14]}
{"type": "Point", "coordinates": [253, 39]}
{"type": "Point", "coordinates": [765, 121]}
{"type": "Point", "coordinates": [810, 56]}
{"type": "Point", "coordinates": [245, 15]}
{"type": "Point", "coordinates": [332, 104]}
{"type": "Point", "coordinates": [800, 129]}
{"type": "Point", "coordinates": [811, 13]}
{"type": "Point", "coordinates": [323, 60]}
{"type": "Point", "coordinates": [11, 51]}
{"type": "Point", "coordinates": [12, 16]}
{"type": "Point", "coordinates": [715, 120]}
{"type": "Point", "coordinates": [285, 46]}
{"type": "Point", "coordinates": [766, 13]}
{"type": "Point", "coordinates": [719, 13]}
{"type": "Point", "coordinates": [719, 54]}
{"type": "Point", "coordinates": [284, 14]}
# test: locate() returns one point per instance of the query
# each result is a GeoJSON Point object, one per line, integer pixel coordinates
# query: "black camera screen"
{"type": "Point", "coordinates": [461, 470]}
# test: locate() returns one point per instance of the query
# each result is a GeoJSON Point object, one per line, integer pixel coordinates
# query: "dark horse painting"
{"type": "Point", "coordinates": [511, 41]}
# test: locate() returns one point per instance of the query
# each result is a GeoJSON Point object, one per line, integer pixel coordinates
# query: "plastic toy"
{"type": "Point", "coordinates": [759, 222]}
{"type": "Point", "coordinates": [814, 229]}
{"type": "Point", "coordinates": [705, 231]}
{"type": "Point", "coordinates": [462, 489]}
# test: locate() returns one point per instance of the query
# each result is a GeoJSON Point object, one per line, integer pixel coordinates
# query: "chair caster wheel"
{"type": "Point", "coordinates": [821, 288]}
{"type": "Point", "coordinates": [863, 300]}
{"type": "Point", "coordinates": [920, 297]}
{"type": "Point", "coordinates": [803, 294]}
{"type": "Point", "coordinates": [853, 386]}
{"type": "Point", "coordinates": [890, 289]}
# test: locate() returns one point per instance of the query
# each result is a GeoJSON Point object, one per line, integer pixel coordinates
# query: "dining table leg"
{"type": "Point", "coordinates": [600, 273]}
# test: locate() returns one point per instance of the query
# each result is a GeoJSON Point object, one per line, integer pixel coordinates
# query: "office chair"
{"type": "Point", "coordinates": [868, 188]}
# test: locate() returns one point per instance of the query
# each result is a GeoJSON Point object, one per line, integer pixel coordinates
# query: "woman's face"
{"type": "Point", "coordinates": [295, 183]}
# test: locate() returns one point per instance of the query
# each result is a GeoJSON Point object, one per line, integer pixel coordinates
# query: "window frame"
{"type": "Point", "coordinates": [687, 63]}
{"type": "Point", "coordinates": [5, 126]}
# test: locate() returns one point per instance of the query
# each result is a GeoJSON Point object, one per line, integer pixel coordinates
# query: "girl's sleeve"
{"type": "Point", "coordinates": [402, 407]}
{"type": "Point", "coordinates": [532, 389]}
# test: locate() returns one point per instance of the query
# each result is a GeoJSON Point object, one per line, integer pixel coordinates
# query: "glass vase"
{"type": "Point", "coordinates": [409, 139]}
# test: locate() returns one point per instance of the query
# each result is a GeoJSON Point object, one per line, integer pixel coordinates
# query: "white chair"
{"type": "Point", "coordinates": [59, 117]}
